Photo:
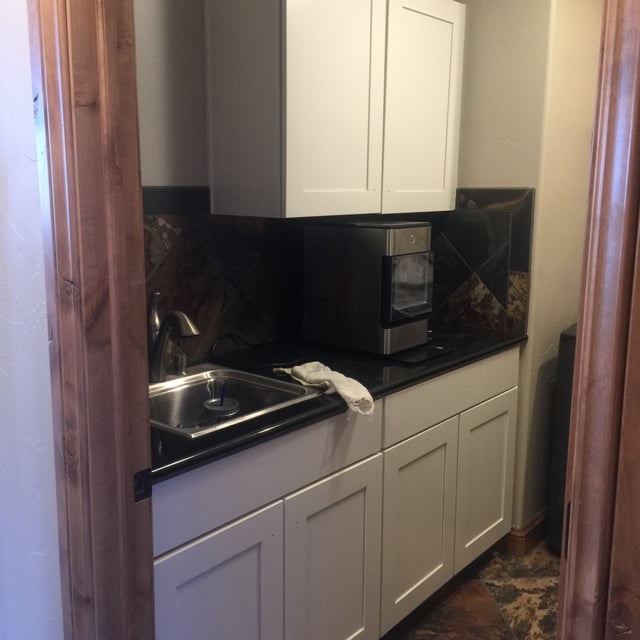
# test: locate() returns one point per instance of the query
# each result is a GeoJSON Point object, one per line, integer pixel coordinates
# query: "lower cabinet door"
{"type": "Point", "coordinates": [485, 475]}
{"type": "Point", "coordinates": [332, 556]}
{"type": "Point", "coordinates": [418, 519]}
{"type": "Point", "coordinates": [227, 585]}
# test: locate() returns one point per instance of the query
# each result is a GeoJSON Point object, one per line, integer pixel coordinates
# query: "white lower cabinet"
{"type": "Point", "coordinates": [363, 522]}
{"type": "Point", "coordinates": [332, 556]}
{"type": "Point", "coordinates": [485, 476]}
{"type": "Point", "coordinates": [230, 584]}
{"type": "Point", "coordinates": [225, 585]}
{"type": "Point", "coordinates": [449, 448]}
{"type": "Point", "coordinates": [418, 519]}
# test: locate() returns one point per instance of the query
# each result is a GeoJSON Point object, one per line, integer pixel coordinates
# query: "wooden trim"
{"type": "Point", "coordinates": [520, 542]}
{"type": "Point", "coordinates": [85, 96]}
{"type": "Point", "coordinates": [602, 330]}
{"type": "Point", "coordinates": [623, 608]}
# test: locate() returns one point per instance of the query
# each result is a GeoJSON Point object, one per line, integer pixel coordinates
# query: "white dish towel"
{"type": "Point", "coordinates": [316, 374]}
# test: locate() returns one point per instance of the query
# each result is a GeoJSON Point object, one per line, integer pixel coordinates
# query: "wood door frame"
{"type": "Point", "coordinates": [603, 331]}
{"type": "Point", "coordinates": [623, 609]}
{"type": "Point", "coordinates": [83, 72]}
{"type": "Point", "coordinates": [84, 95]}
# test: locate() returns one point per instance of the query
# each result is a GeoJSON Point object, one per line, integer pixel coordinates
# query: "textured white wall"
{"type": "Point", "coordinates": [559, 230]}
{"type": "Point", "coordinates": [171, 92]}
{"type": "Point", "coordinates": [30, 600]}
{"type": "Point", "coordinates": [528, 115]}
{"type": "Point", "coordinates": [505, 68]}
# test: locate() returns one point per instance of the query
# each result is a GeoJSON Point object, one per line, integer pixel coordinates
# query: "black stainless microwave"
{"type": "Point", "coordinates": [367, 285]}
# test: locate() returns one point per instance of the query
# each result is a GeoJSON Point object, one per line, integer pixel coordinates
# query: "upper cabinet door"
{"type": "Point", "coordinates": [334, 106]}
{"type": "Point", "coordinates": [424, 85]}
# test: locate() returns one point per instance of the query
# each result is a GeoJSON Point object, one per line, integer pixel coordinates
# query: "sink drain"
{"type": "Point", "coordinates": [221, 407]}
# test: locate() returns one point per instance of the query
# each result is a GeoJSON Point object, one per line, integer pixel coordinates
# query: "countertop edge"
{"type": "Point", "coordinates": [481, 354]}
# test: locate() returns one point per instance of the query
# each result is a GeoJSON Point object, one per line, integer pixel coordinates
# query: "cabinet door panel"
{"type": "Point", "coordinates": [226, 585]}
{"type": "Point", "coordinates": [332, 556]}
{"type": "Point", "coordinates": [335, 78]}
{"type": "Point", "coordinates": [418, 519]}
{"type": "Point", "coordinates": [485, 476]}
{"type": "Point", "coordinates": [423, 88]}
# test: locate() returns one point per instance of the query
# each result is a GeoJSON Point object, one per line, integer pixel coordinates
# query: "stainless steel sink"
{"type": "Point", "coordinates": [216, 398]}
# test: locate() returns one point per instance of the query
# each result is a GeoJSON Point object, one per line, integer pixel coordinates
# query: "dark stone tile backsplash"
{"type": "Point", "coordinates": [519, 203]}
{"type": "Point", "coordinates": [232, 276]}
{"type": "Point", "coordinates": [482, 260]}
{"type": "Point", "coordinates": [471, 272]}
{"type": "Point", "coordinates": [239, 279]}
{"type": "Point", "coordinates": [490, 232]}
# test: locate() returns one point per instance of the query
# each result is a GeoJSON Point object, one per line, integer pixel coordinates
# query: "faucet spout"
{"type": "Point", "coordinates": [186, 327]}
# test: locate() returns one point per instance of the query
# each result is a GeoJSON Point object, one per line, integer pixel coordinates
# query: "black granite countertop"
{"type": "Point", "coordinates": [172, 454]}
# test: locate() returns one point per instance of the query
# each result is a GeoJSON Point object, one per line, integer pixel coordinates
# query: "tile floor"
{"type": "Point", "coordinates": [499, 597]}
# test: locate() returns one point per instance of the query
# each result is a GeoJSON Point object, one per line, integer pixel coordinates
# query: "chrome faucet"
{"type": "Point", "coordinates": [175, 325]}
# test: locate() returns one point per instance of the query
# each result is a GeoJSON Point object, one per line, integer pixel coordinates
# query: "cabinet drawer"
{"type": "Point", "coordinates": [409, 411]}
{"type": "Point", "coordinates": [208, 497]}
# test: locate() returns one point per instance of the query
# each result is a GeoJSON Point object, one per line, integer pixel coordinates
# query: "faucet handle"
{"type": "Point", "coordinates": [181, 363]}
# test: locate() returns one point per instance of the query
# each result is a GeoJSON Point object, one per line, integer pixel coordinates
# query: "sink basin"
{"type": "Point", "coordinates": [217, 398]}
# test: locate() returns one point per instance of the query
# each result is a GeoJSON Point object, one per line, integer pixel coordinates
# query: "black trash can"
{"type": "Point", "coordinates": [560, 438]}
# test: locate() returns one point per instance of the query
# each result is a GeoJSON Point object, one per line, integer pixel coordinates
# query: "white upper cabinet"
{"type": "Point", "coordinates": [334, 102]}
{"type": "Point", "coordinates": [422, 106]}
{"type": "Point", "coordinates": [300, 122]}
